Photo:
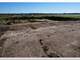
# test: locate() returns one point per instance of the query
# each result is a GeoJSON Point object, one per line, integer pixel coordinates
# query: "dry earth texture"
{"type": "Point", "coordinates": [41, 39]}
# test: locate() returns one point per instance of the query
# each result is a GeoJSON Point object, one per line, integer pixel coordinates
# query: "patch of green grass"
{"type": "Point", "coordinates": [11, 18]}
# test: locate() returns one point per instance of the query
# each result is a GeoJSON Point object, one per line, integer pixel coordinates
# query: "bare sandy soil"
{"type": "Point", "coordinates": [41, 39]}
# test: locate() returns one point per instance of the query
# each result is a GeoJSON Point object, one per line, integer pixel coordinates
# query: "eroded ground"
{"type": "Point", "coordinates": [41, 39]}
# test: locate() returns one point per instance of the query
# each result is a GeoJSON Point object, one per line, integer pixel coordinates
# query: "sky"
{"type": "Point", "coordinates": [37, 7]}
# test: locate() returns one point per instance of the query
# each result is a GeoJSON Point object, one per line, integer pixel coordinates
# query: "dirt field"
{"type": "Point", "coordinates": [41, 39]}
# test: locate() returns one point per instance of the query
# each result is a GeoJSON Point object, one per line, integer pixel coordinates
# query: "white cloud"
{"type": "Point", "coordinates": [39, 0]}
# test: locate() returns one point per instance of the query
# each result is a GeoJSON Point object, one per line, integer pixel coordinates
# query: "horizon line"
{"type": "Point", "coordinates": [39, 13]}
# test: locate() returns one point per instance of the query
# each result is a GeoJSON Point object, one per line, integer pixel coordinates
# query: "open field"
{"type": "Point", "coordinates": [19, 18]}
{"type": "Point", "coordinates": [39, 36]}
